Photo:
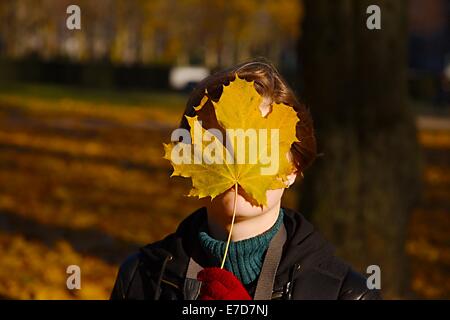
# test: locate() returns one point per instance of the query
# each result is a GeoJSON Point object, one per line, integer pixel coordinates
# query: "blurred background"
{"type": "Point", "coordinates": [84, 113]}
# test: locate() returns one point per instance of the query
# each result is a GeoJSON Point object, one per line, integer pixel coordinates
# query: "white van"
{"type": "Point", "coordinates": [186, 77]}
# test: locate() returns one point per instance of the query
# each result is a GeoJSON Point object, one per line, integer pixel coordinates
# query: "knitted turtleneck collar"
{"type": "Point", "coordinates": [245, 257]}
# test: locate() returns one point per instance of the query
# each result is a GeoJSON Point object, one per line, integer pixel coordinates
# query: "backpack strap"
{"type": "Point", "coordinates": [264, 287]}
{"type": "Point", "coordinates": [191, 288]}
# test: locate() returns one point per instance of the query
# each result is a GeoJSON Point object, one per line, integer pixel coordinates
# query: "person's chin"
{"type": "Point", "coordinates": [242, 211]}
{"type": "Point", "coordinates": [247, 210]}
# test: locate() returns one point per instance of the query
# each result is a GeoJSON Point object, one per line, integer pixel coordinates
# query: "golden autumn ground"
{"type": "Point", "coordinates": [82, 181]}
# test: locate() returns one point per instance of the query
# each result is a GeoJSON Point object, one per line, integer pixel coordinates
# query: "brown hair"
{"type": "Point", "coordinates": [269, 84]}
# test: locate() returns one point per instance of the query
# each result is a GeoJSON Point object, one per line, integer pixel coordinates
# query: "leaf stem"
{"type": "Point", "coordinates": [232, 224]}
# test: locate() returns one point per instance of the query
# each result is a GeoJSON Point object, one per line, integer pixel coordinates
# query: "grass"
{"type": "Point", "coordinates": [82, 182]}
{"type": "Point", "coordinates": [150, 99]}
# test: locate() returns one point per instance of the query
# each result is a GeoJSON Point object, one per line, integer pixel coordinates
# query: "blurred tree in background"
{"type": "Point", "coordinates": [213, 33]}
{"type": "Point", "coordinates": [361, 191]}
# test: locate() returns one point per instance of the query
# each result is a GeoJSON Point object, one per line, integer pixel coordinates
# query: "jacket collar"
{"type": "Point", "coordinates": [304, 247]}
{"type": "Point", "coordinates": [309, 260]}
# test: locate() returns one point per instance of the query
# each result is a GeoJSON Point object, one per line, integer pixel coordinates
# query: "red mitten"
{"type": "Point", "coordinates": [220, 284]}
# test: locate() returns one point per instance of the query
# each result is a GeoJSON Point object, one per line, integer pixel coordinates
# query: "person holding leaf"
{"type": "Point", "coordinates": [243, 139]}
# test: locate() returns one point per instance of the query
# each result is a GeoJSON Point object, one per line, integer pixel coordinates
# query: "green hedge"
{"type": "Point", "coordinates": [93, 74]}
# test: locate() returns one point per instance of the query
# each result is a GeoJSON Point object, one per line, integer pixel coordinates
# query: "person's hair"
{"type": "Point", "coordinates": [270, 85]}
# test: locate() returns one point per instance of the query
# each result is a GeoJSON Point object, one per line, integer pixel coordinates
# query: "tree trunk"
{"type": "Point", "coordinates": [361, 190]}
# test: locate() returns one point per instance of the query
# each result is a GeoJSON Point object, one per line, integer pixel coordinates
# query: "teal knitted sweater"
{"type": "Point", "coordinates": [245, 257]}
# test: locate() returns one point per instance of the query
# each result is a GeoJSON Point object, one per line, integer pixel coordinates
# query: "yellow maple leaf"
{"type": "Point", "coordinates": [255, 165]}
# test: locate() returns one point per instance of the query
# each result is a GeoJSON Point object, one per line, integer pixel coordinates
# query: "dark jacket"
{"type": "Point", "coordinates": [307, 270]}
